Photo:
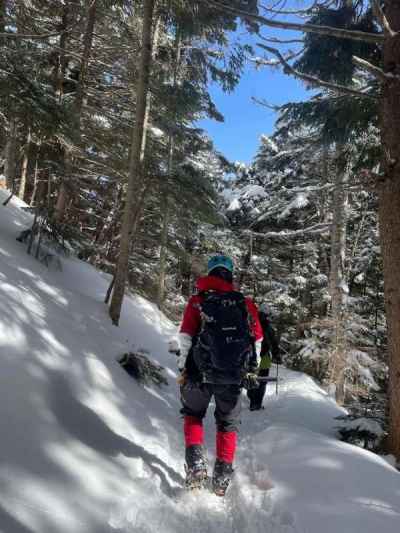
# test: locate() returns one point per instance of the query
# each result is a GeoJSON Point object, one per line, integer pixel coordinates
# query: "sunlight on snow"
{"type": "Point", "coordinates": [12, 335]}
{"type": "Point", "coordinates": [325, 462]}
{"type": "Point", "coordinates": [51, 291]}
{"type": "Point", "coordinates": [33, 501]}
{"type": "Point", "coordinates": [3, 252]}
{"type": "Point", "coordinates": [99, 374]}
{"type": "Point", "coordinates": [52, 342]}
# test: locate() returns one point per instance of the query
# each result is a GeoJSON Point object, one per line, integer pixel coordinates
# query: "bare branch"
{"type": "Point", "coordinates": [12, 35]}
{"type": "Point", "coordinates": [264, 103]}
{"type": "Point", "coordinates": [312, 79]}
{"type": "Point", "coordinates": [274, 62]}
{"type": "Point", "coordinates": [381, 18]}
{"type": "Point", "coordinates": [306, 11]}
{"type": "Point", "coordinates": [369, 67]}
{"type": "Point", "coordinates": [280, 41]}
{"type": "Point", "coordinates": [354, 35]}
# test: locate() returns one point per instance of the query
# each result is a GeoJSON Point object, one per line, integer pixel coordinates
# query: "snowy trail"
{"type": "Point", "coordinates": [85, 449]}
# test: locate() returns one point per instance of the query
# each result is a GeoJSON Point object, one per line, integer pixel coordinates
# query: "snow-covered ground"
{"type": "Point", "coordinates": [85, 449]}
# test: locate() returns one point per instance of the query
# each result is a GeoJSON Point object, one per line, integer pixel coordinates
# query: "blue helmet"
{"type": "Point", "coordinates": [219, 261]}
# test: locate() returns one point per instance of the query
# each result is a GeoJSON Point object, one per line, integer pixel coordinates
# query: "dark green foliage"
{"type": "Point", "coordinates": [339, 118]}
{"type": "Point", "coordinates": [330, 58]}
{"type": "Point", "coordinates": [365, 425]}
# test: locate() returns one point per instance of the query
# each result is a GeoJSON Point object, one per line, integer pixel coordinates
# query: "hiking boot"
{"type": "Point", "coordinates": [196, 467]}
{"type": "Point", "coordinates": [256, 407]}
{"type": "Point", "coordinates": [221, 477]}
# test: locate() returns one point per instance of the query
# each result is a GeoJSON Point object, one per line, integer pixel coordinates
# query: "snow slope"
{"type": "Point", "coordinates": [85, 449]}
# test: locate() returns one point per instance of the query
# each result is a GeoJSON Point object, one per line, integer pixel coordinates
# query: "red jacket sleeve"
{"type": "Point", "coordinates": [256, 328]}
{"type": "Point", "coordinates": [191, 321]}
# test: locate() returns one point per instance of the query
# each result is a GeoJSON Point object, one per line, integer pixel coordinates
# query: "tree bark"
{"type": "Point", "coordinates": [163, 254]}
{"type": "Point", "coordinates": [135, 163]}
{"type": "Point", "coordinates": [35, 179]}
{"type": "Point", "coordinates": [11, 155]}
{"type": "Point", "coordinates": [170, 169]}
{"type": "Point", "coordinates": [87, 50]}
{"type": "Point", "coordinates": [185, 267]}
{"type": "Point", "coordinates": [62, 62]}
{"type": "Point", "coordinates": [64, 193]}
{"type": "Point", "coordinates": [24, 168]}
{"type": "Point", "coordinates": [389, 217]}
{"type": "Point", "coordinates": [2, 17]}
{"type": "Point", "coordinates": [338, 287]}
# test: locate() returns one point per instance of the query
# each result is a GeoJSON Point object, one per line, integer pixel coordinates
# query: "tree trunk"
{"type": "Point", "coordinates": [163, 254]}
{"type": "Point", "coordinates": [62, 201]}
{"type": "Point", "coordinates": [135, 163]}
{"type": "Point", "coordinates": [62, 61]}
{"type": "Point", "coordinates": [11, 156]}
{"type": "Point", "coordinates": [59, 83]}
{"type": "Point", "coordinates": [185, 268]}
{"type": "Point", "coordinates": [64, 192]}
{"type": "Point", "coordinates": [170, 169]}
{"type": "Point", "coordinates": [246, 262]}
{"type": "Point", "coordinates": [337, 283]}
{"type": "Point", "coordinates": [25, 163]}
{"type": "Point", "coordinates": [2, 17]}
{"type": "Point", "coordinates": [35, 178]}
{"type": "Point", "coordinates": [389, 217]}
{"type": "Point", "coordinates": [87, 49]}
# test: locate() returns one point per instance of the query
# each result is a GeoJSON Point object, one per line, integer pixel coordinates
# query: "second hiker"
{"type": "Point", "coordinates": [270, 353]}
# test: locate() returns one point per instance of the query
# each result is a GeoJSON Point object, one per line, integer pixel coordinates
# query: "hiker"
{"type": "Point", "coordinates": [270, 353]}
{"type": "Point", "coordinates": [219, 337]}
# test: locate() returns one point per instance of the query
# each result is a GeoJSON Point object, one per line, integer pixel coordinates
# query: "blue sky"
{"type": "Point", "coordinates": [238, 137]}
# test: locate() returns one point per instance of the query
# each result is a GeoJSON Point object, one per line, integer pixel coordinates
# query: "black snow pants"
{"type": "Point", "coordinates": [256, 396]}
{"type": "Point", "coordinates": [196, 397]}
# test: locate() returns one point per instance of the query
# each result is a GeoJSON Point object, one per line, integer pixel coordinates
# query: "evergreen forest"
{"type": "Point", "coordinates": [100, 104]}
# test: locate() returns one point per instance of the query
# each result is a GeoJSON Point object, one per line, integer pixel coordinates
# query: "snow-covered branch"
{"type": "Point", "coordinates": [317, 229]}
{"type": "Point", "coordinates": [381, 18]}
{"type": "Point", "coordinates": [288, 69]}
{"type": "Point", "coordinates": [354, 35]}
{"type": "Point", "coordinates": [369, 67]}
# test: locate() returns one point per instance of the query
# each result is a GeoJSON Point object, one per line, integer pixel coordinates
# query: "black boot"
{"type": "Point", "coordinates": [255, 407]}
{"type": "Point", "coordinates": [196, 467]}
{"type": "Point", "coordinates": [221, 477]}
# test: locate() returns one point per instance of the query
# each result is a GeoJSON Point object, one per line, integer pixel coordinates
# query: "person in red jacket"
{"type": "Point", "coordinates": [219, 342]}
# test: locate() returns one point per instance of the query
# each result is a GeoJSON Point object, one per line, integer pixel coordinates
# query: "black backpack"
{"type": "Point", "coordinates": [224, 344]}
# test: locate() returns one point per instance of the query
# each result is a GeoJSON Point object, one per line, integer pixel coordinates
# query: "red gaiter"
{"type": "Point", "coordinates": [226, 445]}
{"type": "Point", "coordinates": [193, 430]}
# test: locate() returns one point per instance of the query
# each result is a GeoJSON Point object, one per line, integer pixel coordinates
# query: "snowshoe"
{"type": "Point", "coordinates": [196, 468]}
{"type": "Point", "coordinates": [221, 477]}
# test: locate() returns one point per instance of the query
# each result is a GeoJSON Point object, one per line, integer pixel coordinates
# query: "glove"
{"type": "Point", "coordinates": [250, 381]}
{"type": "Point", "coordinates": [173, 346]}
{"type": "Point", "coordinates": [182, 378]}
{"type": "Point", "coordinates": [181, 361]}
{"type": "Point", "coordinates": [276, 357]}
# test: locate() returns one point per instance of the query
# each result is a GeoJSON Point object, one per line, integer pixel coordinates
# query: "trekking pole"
{"type": "Point", "coordinates": [277, 379]}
